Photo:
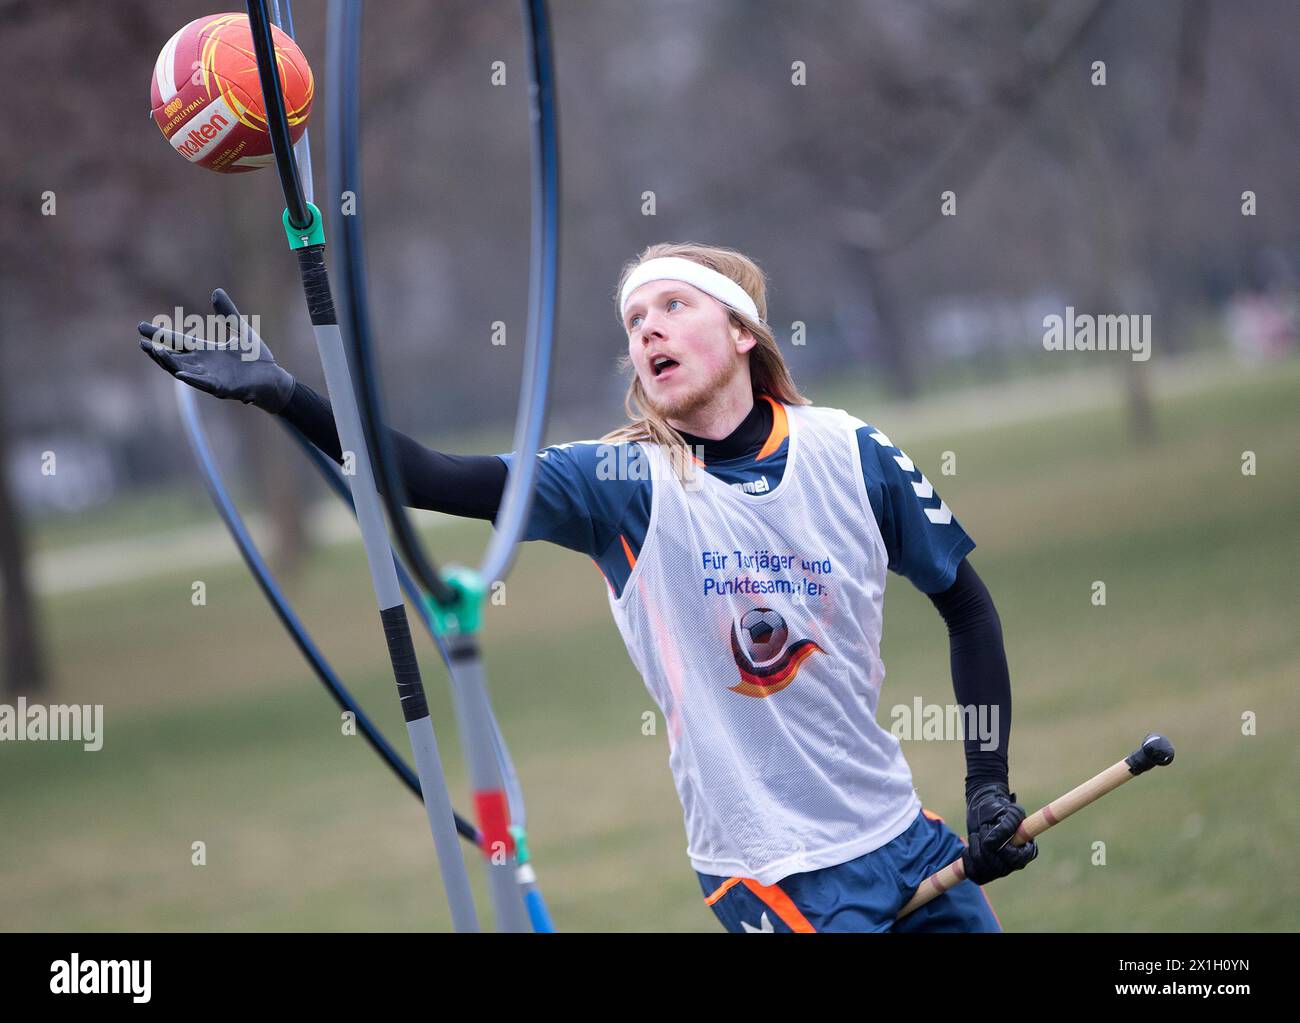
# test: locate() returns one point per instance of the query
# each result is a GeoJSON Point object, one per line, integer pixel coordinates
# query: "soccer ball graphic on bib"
{"type": "Point", "coordinates": [763, 632]}
{"type": "Point", "coordinates": [767, 661]}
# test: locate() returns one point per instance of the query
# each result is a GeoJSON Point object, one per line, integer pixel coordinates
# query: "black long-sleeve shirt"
{"type": "Point", "coordinates": [466, 485]}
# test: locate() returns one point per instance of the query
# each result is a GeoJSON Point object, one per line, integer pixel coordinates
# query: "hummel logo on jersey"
{"type": "Point", "coordinates": [940, 516]}
{"type": "Point", "coordinates": [758, 486]}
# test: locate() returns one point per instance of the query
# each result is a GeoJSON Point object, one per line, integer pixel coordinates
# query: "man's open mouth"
{"type": "Point", "coordinates": [661, 364]}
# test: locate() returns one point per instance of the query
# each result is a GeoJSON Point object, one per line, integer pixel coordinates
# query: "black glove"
{"type": "Point", "coordinates": [992, 817]}
{"type": "Point", "coordinates": [222, 369]}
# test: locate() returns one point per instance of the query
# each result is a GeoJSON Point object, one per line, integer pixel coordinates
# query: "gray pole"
{"type": "Point", "coordinates": [374, 536]}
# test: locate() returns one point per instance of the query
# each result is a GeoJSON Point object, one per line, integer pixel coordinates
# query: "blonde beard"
{"type": "Point", "coordinates": [686, 405]}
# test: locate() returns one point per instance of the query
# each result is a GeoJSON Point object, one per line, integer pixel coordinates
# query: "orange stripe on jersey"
{"type": "Point", "coordinates": [780, 904]}
{"type": "Point", "coordinates": [780, 429]}
{"type": "Point", "coordinates": [932, 815]}
{"type": "Point", "coordinates": [602, 575]}
{"type": "Point", "coordinates": [631, 558]}
{"type": "Point", "coordinates": [722, 890]}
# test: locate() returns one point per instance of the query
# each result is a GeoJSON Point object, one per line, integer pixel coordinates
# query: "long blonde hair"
{"type": "Point", "coordinates": [768, 372]}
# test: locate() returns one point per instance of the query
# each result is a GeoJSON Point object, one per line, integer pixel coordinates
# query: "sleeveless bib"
{"type": "Point", "coordinates": [755, 621]}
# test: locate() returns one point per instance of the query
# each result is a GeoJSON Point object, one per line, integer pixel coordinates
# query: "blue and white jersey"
{"type": "Point", "coordinates": [594, 498]}
{"type": "Point", "coordinates": [751, 603]}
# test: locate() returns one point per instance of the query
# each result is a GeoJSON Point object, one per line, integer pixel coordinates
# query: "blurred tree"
{"type": "Point", "coordinates": [24, 661]}
{"type": "Point", "coordinates": [1129, 146]}
{"type": "Point", "coordinates": [956, 166]}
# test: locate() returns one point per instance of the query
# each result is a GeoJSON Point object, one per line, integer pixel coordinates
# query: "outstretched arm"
{"type": "Point", "coordinates": [239, 366]}
{"type": "Point", "coordinates": [468, 485]}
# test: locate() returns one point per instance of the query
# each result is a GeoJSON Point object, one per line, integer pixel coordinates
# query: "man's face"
{"type": "Point", "coordinates": [683, 346]}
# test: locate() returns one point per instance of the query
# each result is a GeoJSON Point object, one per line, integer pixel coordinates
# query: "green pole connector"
{"type": "Point", "coordinates": [464, 615]}
{"type": "Point", "coordinates": [521, 844]}
{"type": "Point", "coordinates": [312, 234]}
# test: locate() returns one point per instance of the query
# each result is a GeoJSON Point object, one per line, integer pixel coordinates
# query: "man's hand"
{"type": "Point", "coordinates": [222, 369]}
{"type": "Point", "coordinates": [992, 816]}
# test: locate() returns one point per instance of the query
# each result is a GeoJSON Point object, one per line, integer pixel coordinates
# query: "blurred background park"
{"type": "Point", "coordinates": [1115, 157]}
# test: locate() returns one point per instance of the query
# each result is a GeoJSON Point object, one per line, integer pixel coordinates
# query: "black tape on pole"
{"type": "Point", "coordinates": [316, 285]}
{"type": "Point", "coordinates": [406, 670]}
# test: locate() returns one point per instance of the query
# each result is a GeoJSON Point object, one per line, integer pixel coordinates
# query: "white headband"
{"type": "Point", "coordinates": [676, 268]}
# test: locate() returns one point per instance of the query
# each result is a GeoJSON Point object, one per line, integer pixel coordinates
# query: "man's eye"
{"type": "Point", "coordinates": [671, 302]}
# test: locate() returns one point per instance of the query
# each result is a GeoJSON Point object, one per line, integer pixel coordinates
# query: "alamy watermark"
{"type": "Point", "coordinates": [624, 461]}
{"type": "Point", "coordinates": [59, 722]}
{"type": "Point", "coordinates": [77, 976]}
{"type": "Point", "coordinates": [945, 722]}
{"type": "Point", "coordinates": [1083, 332]}
{"type": "Point", "coordinates": [240, 333]}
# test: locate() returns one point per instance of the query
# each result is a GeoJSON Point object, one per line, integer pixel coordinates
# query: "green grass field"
{"type": "Point", "coordinates": [216, 732]}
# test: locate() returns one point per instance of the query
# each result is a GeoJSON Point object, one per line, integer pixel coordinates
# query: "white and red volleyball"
{"type": "Point", "coordinates": [207, 98]}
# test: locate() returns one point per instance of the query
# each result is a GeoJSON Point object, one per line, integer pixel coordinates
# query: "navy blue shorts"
{"type": "Point", "coordinates": [864, 894]}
